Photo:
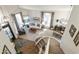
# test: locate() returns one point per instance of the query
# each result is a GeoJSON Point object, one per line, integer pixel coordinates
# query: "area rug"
{"type": "Point", "coordinates": [24, 46]}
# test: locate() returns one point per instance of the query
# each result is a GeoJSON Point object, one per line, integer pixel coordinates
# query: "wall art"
{"type": "Point", "coordinates": [72, 30]}
{"type": "Point", "coordinates": [6, 50]}
{"type": "Point", "coordinates": [76, 40]}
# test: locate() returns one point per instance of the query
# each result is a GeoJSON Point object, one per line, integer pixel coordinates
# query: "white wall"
{"type": "Point", "coordinates": [61, 14]}
{"type": "Point", "coordinates": [67, 43]}
{"type": "Point", "coordinates": [34, 13]}
{"type": "Point", "coordinates": [8, 9]}
{"type": "Point", "coordinates": [4, 40]}
{"type": "Point", "coordinates": [25, 12]}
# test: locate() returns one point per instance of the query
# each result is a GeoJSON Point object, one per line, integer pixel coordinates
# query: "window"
{"type": "Point", "coordinates": [26, 19]}
{"type": "Point", "coordinates": [47, 19]}
{"type": "Point", "coordinates": [19, 20]}
{"type": "Point", "coordinates": [1, 17]}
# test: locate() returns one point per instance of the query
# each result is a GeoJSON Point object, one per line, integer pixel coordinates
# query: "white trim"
{"type": "Point", "coordinates": [47, 46]}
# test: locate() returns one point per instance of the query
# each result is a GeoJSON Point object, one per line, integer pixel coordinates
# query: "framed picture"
{"type": "Point", "coordinates": [72, 30]}
{"type": "Point", "coordinates": [6, 50]}
{"type": "Point", "coordinates": [76, 40]}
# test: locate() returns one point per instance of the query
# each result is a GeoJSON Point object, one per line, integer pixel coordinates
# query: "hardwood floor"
{"type": "Point", "coordinates": [54, 45]}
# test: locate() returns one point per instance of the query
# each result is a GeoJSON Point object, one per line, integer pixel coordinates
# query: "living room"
{"type": "Point", "coordinates": [33, 29]}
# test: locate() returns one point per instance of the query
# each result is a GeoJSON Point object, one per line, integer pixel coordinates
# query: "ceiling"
{"type": "Point", "coordinates": [47, 7]}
